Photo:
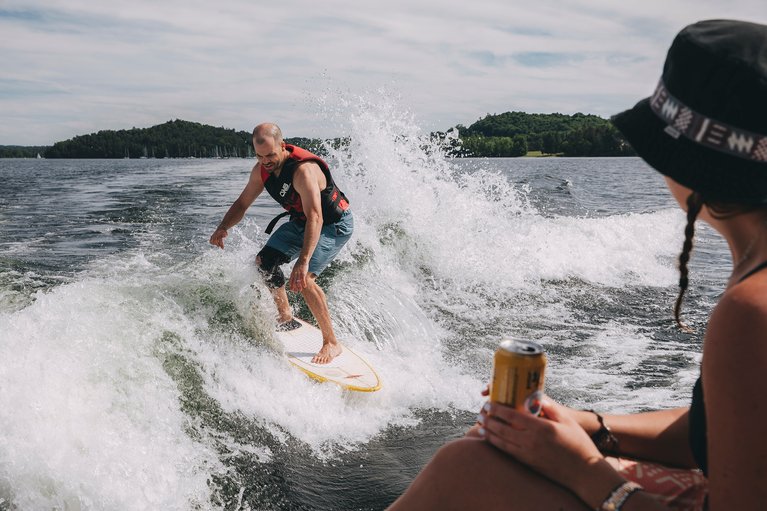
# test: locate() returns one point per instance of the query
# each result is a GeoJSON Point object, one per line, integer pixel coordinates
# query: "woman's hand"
{"type": "Point", "coordinates": [554, 444]}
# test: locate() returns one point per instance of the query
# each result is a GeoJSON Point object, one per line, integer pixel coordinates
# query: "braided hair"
{"type": "Point", "coordinates": [694, 205]}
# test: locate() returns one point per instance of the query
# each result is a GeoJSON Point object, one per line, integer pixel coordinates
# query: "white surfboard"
{"type": "Point", "coordinates": [349, 370]}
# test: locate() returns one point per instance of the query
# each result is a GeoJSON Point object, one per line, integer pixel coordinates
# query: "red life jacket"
{"type": "Point", "coordinates": [332, 199]}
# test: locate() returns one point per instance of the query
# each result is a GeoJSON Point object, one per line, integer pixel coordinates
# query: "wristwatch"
{"type": "Point", "coordinates": [604, 438]}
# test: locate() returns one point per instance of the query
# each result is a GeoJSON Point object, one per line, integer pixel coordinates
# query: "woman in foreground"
{"type": "Point", "coordinates": [705, 130]}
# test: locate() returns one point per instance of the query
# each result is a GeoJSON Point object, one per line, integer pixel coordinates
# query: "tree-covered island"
{"type": "Point", "coordinates": [503, 135]}
{"type": "Point", "coordinates": [520, 134]}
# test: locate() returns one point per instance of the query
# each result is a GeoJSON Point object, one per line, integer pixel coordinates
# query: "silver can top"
{"type": "Point", "coordinates": [520, 347]}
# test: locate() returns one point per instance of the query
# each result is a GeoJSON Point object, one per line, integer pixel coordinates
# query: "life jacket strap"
{"type": "Point", "coordinates": [270, 227]}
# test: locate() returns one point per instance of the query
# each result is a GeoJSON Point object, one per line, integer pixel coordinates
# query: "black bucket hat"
{"type": "Point", "coordinates": [705, 126]}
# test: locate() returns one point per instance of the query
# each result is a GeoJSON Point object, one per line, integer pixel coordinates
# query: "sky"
{"type": "Point", "coordinates": [71, 67]}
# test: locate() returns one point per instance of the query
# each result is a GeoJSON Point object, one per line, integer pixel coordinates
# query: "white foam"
{"type": "Point", "coordinates": [382, 325]}
{"type": "Point", "coordinates": [90, 419]}
{"type": "Point", "coordinates": [608, 365]}
{"type": "Point", "coordinates": [478, 227]}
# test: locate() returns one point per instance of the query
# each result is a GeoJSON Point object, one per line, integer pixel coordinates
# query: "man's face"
{"type": "Point", "coordinates": [270, 154]}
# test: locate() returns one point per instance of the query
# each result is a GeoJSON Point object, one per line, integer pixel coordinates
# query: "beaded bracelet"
{"type": "Point", "coordinates": [604, 438]}
{"type": "Point", "coordinates": [618, 497]}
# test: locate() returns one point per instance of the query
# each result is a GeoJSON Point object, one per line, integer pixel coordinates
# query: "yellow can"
{"type": "Point", "coordinates": [518, 374]}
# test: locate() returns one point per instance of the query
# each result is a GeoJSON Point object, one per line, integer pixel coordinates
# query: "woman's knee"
{"type": "Point", "coordinates": [469, 458]}
{"type": "Point", "coordinates": [462, 448]}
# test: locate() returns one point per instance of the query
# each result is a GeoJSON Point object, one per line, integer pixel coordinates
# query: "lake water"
{"type": "Point", "coordinates": [137, 368]}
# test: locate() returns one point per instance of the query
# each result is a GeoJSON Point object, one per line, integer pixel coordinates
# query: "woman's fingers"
{"type": "Point", "coordinates": [506, 414]}
{"type": "Point", "coordinates": [503, 442]}
{"type": "Point", "coordinates": [511, 430]}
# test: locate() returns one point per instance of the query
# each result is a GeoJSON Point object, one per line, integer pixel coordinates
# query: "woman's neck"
{"type": "Point", "coordinates": [747, 239]}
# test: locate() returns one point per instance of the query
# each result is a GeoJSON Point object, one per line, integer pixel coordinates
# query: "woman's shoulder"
{"type": "Point", "coordinates": [740, 317]}
{"type": "Point", "coordinates": [746, 297]}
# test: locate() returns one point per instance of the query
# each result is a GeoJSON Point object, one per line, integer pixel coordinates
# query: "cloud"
{"type": "Point", "coordinates": [548, 59]}
{"type": "Point", "coordinates": [85, 65]}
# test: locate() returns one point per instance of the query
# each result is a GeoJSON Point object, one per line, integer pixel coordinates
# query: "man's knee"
{"type": "Point", "coordinates": [268, 261]}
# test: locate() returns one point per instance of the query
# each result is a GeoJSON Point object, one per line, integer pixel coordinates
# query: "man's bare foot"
{"type": "Point", "coordinates": [284, 317]}
{"type": "Point", "coordinates": [327, 353]}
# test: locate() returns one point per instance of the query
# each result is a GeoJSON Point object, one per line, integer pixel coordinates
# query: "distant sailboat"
{"type": "Point", "coordinates": [39, 157]}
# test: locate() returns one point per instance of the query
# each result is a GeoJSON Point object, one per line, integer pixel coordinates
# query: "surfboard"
{"type": "Point", "coordinates": [349, 369]}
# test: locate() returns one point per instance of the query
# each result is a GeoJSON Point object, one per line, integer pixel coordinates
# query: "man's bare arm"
{"type": "Point", "coordinates": [306, 181]}
{"type": "Point", "coordinates": [237, 210]}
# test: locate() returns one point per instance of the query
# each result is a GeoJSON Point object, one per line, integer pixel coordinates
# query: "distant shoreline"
{"type": "Point", "coordinates": [511, 134]}
{"type": "Point", "coordinates": [531, 155]}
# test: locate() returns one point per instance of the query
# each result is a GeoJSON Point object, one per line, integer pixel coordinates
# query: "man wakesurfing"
{"type": "Point", "coordinates": [320, 225]}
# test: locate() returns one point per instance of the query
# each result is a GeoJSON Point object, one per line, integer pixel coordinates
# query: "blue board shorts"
{"type": "Point", "coordinates": [289, 238]}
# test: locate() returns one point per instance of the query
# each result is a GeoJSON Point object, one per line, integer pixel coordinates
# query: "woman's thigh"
{"type": "Point", "coordinates": [470, 474]}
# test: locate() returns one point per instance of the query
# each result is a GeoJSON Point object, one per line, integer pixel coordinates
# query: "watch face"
{"type": "Point", "coordinates": [607, 440]}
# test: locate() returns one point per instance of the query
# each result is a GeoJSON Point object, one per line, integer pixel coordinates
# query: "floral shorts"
{"type": "Point", "coordinates": [680, 489]}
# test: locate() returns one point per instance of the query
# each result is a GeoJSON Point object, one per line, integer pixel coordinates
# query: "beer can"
{"type": "Point", "coordinates": [518, 374]}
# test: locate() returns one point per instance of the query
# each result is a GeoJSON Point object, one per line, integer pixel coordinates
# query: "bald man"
{"type": "Point", "coordinates": [320, 225]}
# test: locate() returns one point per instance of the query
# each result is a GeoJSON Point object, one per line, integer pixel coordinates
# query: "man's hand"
{"type": "Point", "coordinates": [217, 238]}
{"type": "Point", "coordinates": [298, 277]}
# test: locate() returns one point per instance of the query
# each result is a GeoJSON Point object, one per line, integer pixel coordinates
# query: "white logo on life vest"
{"type": "Point", "coordinates": [285, 189]}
